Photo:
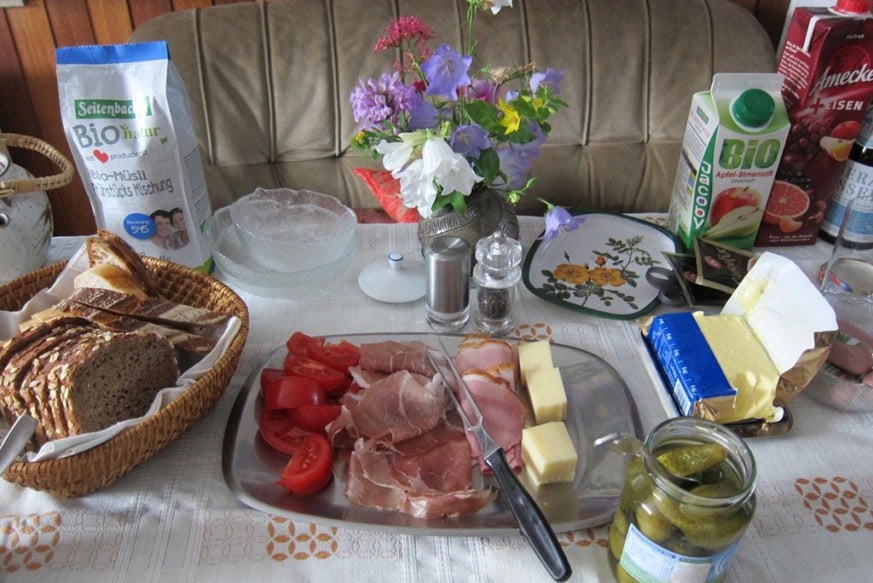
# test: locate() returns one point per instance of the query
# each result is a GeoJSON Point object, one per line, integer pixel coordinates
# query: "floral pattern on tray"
{"type": "Point", "coordinates": [600, 268]}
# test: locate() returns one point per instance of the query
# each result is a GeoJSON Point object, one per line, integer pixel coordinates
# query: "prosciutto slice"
{"type": "Point", "coordinates": [399, 407]}
{"type": "Point", "coordinates": [391, 356]}
{"type": "Point", "coordinates": [430, 484]}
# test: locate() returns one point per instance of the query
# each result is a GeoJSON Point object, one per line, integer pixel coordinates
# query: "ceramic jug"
{"type": "Point", "coordinates": [25, 212]}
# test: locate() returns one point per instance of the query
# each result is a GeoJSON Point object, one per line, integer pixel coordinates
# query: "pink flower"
{"type": "Point", "coordinates": [406, 29]}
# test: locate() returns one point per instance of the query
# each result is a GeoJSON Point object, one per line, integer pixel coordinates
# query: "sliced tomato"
{"type": "Point", "coordinates": [310, 468]}
{"type": "Point", "coordinates": [287, 392]}
{"type": "Point", "coordinates": [339, 356]}
{"type": "Point", "coordinates": [269, 376]}
{"type": "Point", "coordinates": [314, 418]}
{"type": "Point", "coordinates": [329, 379]}
{"type": "Point", "coordinates": [279, 431]}
{"type": "Point", "coordinates": [298, 342]}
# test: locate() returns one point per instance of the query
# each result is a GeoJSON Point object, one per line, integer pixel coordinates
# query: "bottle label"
{"type": "Point", "coordinates": [856, 183]}
{"type": "Point", "coordinates": [648, 562]}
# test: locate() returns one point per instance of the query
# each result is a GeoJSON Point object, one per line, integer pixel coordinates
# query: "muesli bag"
{"type": "Point", "coordinates": [128, 123]}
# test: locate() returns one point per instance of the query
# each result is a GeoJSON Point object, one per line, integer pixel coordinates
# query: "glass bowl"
{"type": "Point", "coordinates": [290, 231]}
{"type": "Point", "coordinates": [243, 270]}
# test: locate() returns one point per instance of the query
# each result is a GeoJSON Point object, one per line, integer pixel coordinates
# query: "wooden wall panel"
{"type": "Point", "coordinates": [29, 105]}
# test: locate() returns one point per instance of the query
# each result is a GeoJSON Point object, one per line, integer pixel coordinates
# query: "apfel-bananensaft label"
{"type": "Point", "coordinates": [733, 142]}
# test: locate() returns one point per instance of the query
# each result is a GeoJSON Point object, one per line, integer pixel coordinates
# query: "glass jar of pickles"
{"type": "Point", "coordinates": [664, 531]}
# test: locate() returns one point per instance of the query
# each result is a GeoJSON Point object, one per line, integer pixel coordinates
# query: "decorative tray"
{"type": "Point", "coordinates": [600, 268]}
{"type": "Point", "coordinates": [598, 403]}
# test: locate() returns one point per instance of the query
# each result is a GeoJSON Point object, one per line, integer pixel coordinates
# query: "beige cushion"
{"type": "Point", "coordinates": [269, 86]}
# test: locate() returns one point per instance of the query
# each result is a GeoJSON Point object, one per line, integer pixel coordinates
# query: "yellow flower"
{"type": "Point", "coordinates": [603, 276]}
{"type": "Point", "coordinates": [577, 274]}
{"type": "Point", "coordinates": [511, 120]}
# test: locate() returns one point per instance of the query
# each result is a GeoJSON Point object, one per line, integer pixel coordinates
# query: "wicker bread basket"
{"type": "Point", "coordinates": [102, 465]}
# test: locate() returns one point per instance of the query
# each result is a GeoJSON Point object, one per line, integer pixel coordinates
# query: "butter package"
{"type": "Point", "coordinates": [769, 341]}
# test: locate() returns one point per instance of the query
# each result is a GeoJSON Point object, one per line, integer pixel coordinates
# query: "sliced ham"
{"type": "Point", "coordinates": [503, 415]}
{"type": "Point", "coordinates": [390, 356]}
{"type": "Point", "coordinates": [482, 352]}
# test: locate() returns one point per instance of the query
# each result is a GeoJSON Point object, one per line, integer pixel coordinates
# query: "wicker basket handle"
{"type": "Point", "coordinates": [10, 187]}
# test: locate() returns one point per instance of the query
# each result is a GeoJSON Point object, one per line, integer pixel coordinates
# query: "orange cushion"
{"type": "Point", "coordinates": [386, 189]}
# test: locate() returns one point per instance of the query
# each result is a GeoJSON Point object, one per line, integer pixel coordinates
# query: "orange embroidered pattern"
{"type": "Point", "coordinates": [587, 537]}
{"type": "Point", "coordinates": [533, 332]}
{"type": "Point", "coordinates": [835, 503]}
{"type": "Point", "coordinates": [28, 542]}
{"type": "Point", "coordinates": [309, 542]}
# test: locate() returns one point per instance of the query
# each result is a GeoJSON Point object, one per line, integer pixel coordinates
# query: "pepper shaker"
{"type": "Point", "coordinates": [497, 271]}
{"type": "Point", "coordinates": [447, 295]}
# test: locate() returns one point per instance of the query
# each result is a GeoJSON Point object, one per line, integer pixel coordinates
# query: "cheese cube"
{"type": "Point", "coordinates": [548, 453]}
{"type": "Point", "coordinates": [547, 396]}
{"type": "Point", "coordinates": [534, 355]}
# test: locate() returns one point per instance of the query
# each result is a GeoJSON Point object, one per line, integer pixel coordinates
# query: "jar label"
{"type": "Point", "coordinates": [648, 562]}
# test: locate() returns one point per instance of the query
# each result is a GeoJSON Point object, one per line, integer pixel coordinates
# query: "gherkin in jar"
{"type": "Point", "coordinates": [659, 526]}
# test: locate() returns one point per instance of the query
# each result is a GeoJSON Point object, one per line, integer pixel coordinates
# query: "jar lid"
{"type": "Point", "coordinates": [753, 108]}
{"type": "Point", "coordinates": [394, 280]}
{"type": "Point", "coordinates": [853, 6]}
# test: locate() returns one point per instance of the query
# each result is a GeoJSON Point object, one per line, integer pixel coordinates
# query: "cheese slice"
{"type": "Point", "coordinates": [744, 362]}
{"type": "Point", "coordinates": [534, 355]}
{"type": "Point", "coordinates": [548, 398]}
{"type": "Point", "coordinates": [548, 453]}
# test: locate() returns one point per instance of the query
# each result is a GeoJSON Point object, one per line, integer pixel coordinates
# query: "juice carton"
{"type": "Point", "coordinates": [827, 60]}
{"type": "Point", "coordinates": [733, 142]}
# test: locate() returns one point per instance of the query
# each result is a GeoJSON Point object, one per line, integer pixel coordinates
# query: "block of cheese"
{"type": "Point", "coordinates": [547, 395]}
{"type": "Point", "coordinates": [744, 362]}
{"type": "Point", "coordinates": [773, 331]}
{"type": "Point", "coordinates": [548, 453]}
{"type": "Point", "coordinates": [533, 356]}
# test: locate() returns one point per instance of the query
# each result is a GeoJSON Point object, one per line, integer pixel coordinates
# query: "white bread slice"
{"type": "Point", "coordinates": [112, 277]}
{"type": "Point", "coordinates": [107, 247]}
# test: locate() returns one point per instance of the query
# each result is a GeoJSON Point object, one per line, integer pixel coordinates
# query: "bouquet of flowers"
{"type": "Point", "coordinates": [443, 132]}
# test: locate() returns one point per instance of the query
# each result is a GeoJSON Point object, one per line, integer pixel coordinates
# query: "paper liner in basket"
{"type": "Point", "coordinates": [62, 288]}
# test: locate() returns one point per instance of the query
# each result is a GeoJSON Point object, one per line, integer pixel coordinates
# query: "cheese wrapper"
{"type": "Point", "coordinates": [791, 318]}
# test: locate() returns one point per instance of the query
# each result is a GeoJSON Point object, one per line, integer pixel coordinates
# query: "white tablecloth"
{"type": "Point", "coordinates": [174, 519]}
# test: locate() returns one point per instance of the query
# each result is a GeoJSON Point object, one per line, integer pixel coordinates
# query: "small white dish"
{"type": "Point", "coordinates": [393, 280]}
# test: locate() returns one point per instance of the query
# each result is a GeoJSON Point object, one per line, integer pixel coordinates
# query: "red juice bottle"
{"type": "Point", "coordinates": [827, 61]}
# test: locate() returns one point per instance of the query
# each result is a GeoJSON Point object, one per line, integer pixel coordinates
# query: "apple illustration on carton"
{"type": "Point", "coordinates": [735, 212]}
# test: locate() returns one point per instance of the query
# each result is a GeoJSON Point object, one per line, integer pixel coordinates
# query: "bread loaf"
{"type": "Point", "coordinates": [111, 277]}
{"type": "Point", "coordinates": [74, 377]}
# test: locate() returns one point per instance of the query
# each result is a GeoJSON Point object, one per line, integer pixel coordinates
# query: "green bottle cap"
{"type": "Point", "coordinates": [753, 108]}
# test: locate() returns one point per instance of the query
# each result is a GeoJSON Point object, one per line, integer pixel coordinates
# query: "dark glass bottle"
{"type": "Point", "coordinates": [855, 184]}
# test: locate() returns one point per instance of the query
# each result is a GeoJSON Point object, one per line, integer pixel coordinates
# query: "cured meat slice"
{"type": "Point", "coordinates": [482, 352]}
{"type": "Point", "coordinates": [503, 415]}
{"type": "Point", "coordinates": [399, 407]}
{"type": "Point", "coordinates": [391, 356]}
{"type": "Point", "coordinates": [411, 484]}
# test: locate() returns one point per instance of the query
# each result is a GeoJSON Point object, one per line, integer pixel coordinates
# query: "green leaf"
{"type": "Point", "coordinates": [482, 113]}
{"type": "Point", "coordinates": [488, 165]}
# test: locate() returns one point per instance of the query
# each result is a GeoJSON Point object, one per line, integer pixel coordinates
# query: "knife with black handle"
{"type": "Point", "coordinates": [531, 522]}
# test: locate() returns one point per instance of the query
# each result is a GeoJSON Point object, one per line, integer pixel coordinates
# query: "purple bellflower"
{"type": "Point", "coordinates": [559, 219]}
{"type": "Point", "coordinates": [446, 71]}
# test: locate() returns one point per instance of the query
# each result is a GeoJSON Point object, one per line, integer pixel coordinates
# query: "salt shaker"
{"type": "Point", "coordinates": [496, 274]}
{"type": "Point", "coordinates": [447, 295]}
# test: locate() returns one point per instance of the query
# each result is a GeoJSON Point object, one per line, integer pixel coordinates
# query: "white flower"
{"type": "Point", "coordinates": [395, 155]}
{"type": "Point", "coordinates": [496, 5]}
{"type": "Point", "coordinates": [417, 188]}
{"type": "Point", "coordinates": [448, 168]}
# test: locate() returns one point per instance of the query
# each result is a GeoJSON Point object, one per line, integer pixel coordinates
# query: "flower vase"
{"type": "Point", "coordinates": [487, 211]}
